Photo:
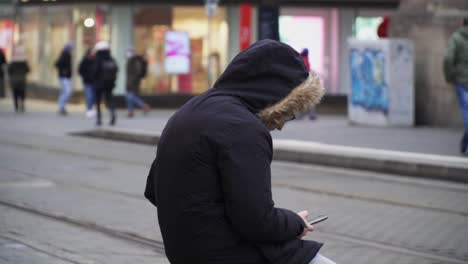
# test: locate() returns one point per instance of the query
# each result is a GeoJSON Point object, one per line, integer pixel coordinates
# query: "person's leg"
{"type": "Point", "coordinates": [130, 103]}
{"type": "Point", "coordinates": [15, 98]}
{"type": "Point", "coordinates": [68, 89]}
{"type": "Point", "coordinates": [110, 105]}
{"type": "Point", "coordinates": [2, 85]}
{"type": "Point", "coordinates": [319, 259]}
{"type": "Point", "coordinates": [22, 96]}
{"type": "Point", "coordinates": [65, 93]}
{"type": "Point", "coordinates": [89, 95]}
{"type": "Point", "coordinates": [97, 97]}
{"type": "Point", "coordinates": [61, 99]}
{"type": "Point", "coordinates": [462, 92]}
{"type": "Point", "coordinates": [138, 101]}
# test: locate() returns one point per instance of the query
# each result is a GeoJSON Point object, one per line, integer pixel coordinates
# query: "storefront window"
{"type": "Point", "coordinates": [29, 38]}
{"type": "Point", "coordinates": [366, 27]}
{"type": "Point", "coordinates": [90, 26]}
{"type": "Point", "coordinates": [46, 30]}
{"type": "Point", "coordinates": [150, 29]}
{"type": "Point", "coordinates": [317, 31]}
{"type": "Point", "coordinates": [59, 33]}
{"type": "Point", "coordinates": [7, 30]}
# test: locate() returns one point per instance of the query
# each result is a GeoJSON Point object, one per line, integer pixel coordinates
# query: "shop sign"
{"type": "Point", "coordinates": [177, 52]}
{"type": "Point", "coordinates": [245, 26]}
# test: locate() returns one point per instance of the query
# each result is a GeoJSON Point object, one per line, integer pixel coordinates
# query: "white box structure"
{"type": "Point", "coordinates": [382, 82]}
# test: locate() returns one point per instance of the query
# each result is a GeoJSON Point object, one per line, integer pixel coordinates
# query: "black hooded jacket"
{"type": "Point", "coordinates": [99, 71]}
{"type": "Point", "coordinates": [64, 64]}
{"type": "Point", "coordinates": [211, 179]}
{"type": "Point", "coordinates": [86, 69]}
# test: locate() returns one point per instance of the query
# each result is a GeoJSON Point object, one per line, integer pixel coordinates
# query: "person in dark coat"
{"type": "Point", "coordinates": [17, 70]}
{"type": "Point", "coordinates": [3, 63]}
{"type": "Point", "coordinates": [211, 179]}
{"type": "Point", "coordinates": [136, 71]}
{"type": "Point", "coordinates": [64, 69]}
{"type": "Point", "coordinates": [86, 72]}
{"type": "Point", "coordinates": [104, 76]}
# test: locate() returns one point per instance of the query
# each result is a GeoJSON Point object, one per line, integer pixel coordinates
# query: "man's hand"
{"type": "Point", "coordinates": [308, 228]}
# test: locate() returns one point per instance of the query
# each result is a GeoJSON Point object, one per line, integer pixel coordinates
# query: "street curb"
{"type": "Point", "coordinates": [394, 162]}
{"type": "Point", "coordinates": [437, 167]}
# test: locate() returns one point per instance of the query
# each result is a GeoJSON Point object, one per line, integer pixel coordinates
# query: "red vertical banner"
{"type": "Point", "coordinates": [98, 23]}
{"type": "Point", "coordinates": [245, 27]}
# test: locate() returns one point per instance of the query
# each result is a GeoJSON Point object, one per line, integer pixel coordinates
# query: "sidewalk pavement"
{"type": "Point", "coordinates": [330, 140]}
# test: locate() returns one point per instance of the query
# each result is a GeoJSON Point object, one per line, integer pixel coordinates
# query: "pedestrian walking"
{"type": "Point", "coordinates": [136, 71]}
{"type": "Point", "coordinates": [211, 179]}
{"type": "Point", "coordinates": [64, 69]}
{"type": "Point", "coordinates": [305, 57]}
{"type": "Point", "coordinates": [456, 73]}
{"type": "Point", "coordinates": [17, 71]}
{"type": "Point", "coordinates": [104, 76]}
{"type": "Point", "coordinates": [86, 72]}
{"type": "Point", "coordinates": [3, 64]}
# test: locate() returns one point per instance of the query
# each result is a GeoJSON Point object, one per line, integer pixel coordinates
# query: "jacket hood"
{"type": "Point", "coordinates": [103, 54]}
{"type": "Point", "coordinates": [464, 32]}
{"type": "Point", "coordinates": [272, 80]}
{"type": "Point", "coordinates": [19, 54]}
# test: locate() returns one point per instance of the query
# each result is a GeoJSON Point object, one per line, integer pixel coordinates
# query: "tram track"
{"type": "Point", "coordinates": [158, 245]}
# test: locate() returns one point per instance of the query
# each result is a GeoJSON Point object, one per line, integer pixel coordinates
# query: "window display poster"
{"type": "Point", "coordinates": [7, 28]}
{"type": "Point", "coordinates": [177, 52]}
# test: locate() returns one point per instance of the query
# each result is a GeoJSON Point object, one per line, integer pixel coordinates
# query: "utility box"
{"type": "Point", "coordinates": [382, 82]}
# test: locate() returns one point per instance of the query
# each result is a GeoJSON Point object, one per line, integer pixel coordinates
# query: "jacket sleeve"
{"type": "Point", "coordinates": [150, 193]}
{"type": "Point", "coordinates": [244, 166]}
{"type": "Point", "coordinates": [59, 62]}
{"type": "Point", "coordinates": [81, 68]}
{"type": "Point", "coordinates": [449, 61]}
{"type": "Point", "coordinates": [96, 69]}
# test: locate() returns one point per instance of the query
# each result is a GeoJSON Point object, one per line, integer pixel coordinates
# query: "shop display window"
{"type": "Point", "coordinates": [151, 25]}
{"type": "Point", "coordinates": [366, 27]}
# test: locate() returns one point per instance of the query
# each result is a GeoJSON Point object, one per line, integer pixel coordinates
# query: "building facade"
{"type": "Point", "coordinates": [322, 27]}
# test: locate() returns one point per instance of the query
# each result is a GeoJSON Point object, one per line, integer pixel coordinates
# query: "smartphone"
{"type": "Point", "coordinates": [319, 219]}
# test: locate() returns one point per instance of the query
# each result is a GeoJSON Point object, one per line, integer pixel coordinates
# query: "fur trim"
{"type": "Point", "coordinates": [299, 100]}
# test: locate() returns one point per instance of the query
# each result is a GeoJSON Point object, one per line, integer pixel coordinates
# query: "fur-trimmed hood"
{"type": "Point", "coordinates": [272, 80]}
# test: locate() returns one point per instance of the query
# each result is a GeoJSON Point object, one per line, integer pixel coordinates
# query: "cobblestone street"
{"type": "Point", "coordinates": [67, 199]}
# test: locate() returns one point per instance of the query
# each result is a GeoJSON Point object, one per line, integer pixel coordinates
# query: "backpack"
{"type": "Point", "coordinates": [144, 68]}
{"type": "Point", "coordinates": [140, 64]}
{"type": "Point", "coordinates": [109, 70]}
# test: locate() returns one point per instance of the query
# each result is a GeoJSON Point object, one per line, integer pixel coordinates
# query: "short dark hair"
{"type": "Point", "coordinates": [465, 21]}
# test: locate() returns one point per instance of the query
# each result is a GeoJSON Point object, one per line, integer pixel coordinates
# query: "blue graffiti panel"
{"type": "Point", "coordinates": [369, 88]}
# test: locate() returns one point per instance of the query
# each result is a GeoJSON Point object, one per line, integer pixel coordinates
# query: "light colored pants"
{"type": "Point", "coordinates": [65, 92]}
{"type": "Point", "coordinates": [89, 95]}
{"type": "Point", "coordinates": [133, 101]}
{"type": "Point", "coordinates": [462, 92]}
{"type": "Point", "coordinates": [319, 259]}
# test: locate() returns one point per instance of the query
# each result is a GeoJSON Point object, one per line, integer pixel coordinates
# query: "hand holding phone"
{"type": "Point", "coordinates": [319, 219]}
